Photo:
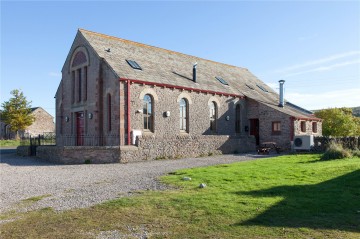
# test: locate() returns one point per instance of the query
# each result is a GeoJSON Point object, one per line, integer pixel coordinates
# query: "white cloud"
{"type": "Point", "coordinates": [326, 68]}
{"type": "Point", "coordinates": [55, 74]}
{"type": "Point", "coordinates": [318, 61]}
{"type": "Point", "coordinates": [323, 100]}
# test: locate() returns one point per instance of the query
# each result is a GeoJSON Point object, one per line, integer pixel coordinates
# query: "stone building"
{"type": "Point", "coordinates": [43, 123]}
{"type": "Point", "coordinates": [153, 103]}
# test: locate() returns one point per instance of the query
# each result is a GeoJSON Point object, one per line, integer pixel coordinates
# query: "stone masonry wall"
{"type": "Point", "coordinates": [309, 127]}
{"type": "Point", "coordinates": [43, 123]}
{"type": "Point", "coordinates": [167, 99]}
{"type": "Point", "coordinates": [267, 116]}
{"type": "Point", "coordinates": [78, 154]}
{"type": "Point", "coordinates": [99, 84]}
{"type": "Point", "coordinates": [149, 148]}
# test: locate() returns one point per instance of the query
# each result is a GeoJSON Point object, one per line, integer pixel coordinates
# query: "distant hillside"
{"type": "Point", "coordinates": [356, 111]}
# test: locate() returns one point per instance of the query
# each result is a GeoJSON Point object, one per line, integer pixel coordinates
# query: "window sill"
{"type": "Point", "coordinates": [147, 133]}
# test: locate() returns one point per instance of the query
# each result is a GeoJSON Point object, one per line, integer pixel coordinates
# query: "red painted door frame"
{"type": "Point", "coordinates": [254, 129]}
{"type": "Point", "coordinates": [80, 128]}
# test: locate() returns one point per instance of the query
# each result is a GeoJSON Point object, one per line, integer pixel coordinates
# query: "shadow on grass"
{"type": "Point", "coordinates": [333, 204]}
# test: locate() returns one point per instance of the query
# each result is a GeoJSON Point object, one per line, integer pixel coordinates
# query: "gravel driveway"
{"type": "Point", "coordinates": [65, 187]}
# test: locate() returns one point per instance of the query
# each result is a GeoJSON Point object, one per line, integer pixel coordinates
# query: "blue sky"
{"type": "Point", "coordinates": [313, 45]}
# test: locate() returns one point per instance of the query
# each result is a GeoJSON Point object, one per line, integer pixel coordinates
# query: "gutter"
{"type": "Point", "coordinates": [128, 112]}
{"type": "Point", "coordinates": [303, 118]}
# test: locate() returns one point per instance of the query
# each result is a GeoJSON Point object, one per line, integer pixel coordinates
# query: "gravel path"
{"type": "Point", "coordinates": [65, 187]}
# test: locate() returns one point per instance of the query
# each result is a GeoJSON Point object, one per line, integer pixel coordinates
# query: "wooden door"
{"type": "Point", "coordinates": [254, 129]}
{"type": "Point", "coordinates": [80, 128]}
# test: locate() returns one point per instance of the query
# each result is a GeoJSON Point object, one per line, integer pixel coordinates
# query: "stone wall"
{"type": "Point", "coordinates": [23, 150]}
{"type": "Point", "coordinates": [149, 148]}
{"type": "Point", "coordinates": [289, 127]}
{"type": "Point", "coordinates": [309, 130]}
{"type": "Point", "coordinates": [100, 86]}
{"type": "Point", "coordinates": [43, 123]}
{"type": "Point", "coordinates": [167, 100]}
{"type": "Point", "coordinates": [267, 116]}
{"type": "Point", "coordinates": [78, 154]}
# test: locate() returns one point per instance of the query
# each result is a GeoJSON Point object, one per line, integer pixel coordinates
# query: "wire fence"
{"type": "Point", "coordinates": [47, 138]}
{"type": "Point", "coordinates": [88, 140]}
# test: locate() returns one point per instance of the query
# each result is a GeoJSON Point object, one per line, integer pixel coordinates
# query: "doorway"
{"type": "Point", "coordinates": [80, 128]}
{"type": "Point", "coordinates": [254, 129]}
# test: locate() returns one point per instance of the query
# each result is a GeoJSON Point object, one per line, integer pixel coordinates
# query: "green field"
{"type": "Point", "coordinates": [295, 196]}
{"type": "Point", "coordinates": [8, 142]}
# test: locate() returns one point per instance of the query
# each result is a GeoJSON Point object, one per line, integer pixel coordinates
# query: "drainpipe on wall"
{"type": "Point", "coordinates": [128, 112]}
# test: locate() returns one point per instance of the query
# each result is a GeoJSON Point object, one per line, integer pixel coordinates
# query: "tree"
{"type": "Point", "coordinates": [16, 112]}
{"type": "Point", "coordinates": [339, 122]}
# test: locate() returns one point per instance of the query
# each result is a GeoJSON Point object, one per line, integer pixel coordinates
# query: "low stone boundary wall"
{"type": "Point", "coordinates": [23, 150]}
{"type": "Point", "coordinates": [183, 146]}
{"type": "Point", "coordinates": [78, 154]}
{"type": "Point", "coordinates": [322, 142]}
{"type": "Point", "coordinates": [149, 148]}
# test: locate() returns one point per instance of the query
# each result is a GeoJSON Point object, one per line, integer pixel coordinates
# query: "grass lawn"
{"type": "Point", "coordinates": [295, 196]}
{"type": "Point", "coordinates": [8, 142]}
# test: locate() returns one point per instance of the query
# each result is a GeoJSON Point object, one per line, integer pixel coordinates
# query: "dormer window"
{"type": "Point", "coordinates": [222, 81]}
{"type": "Point", "coordinates": [134, 64]}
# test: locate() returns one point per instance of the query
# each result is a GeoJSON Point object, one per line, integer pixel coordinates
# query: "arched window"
{"type": "Point", "coordinates": [213, 116]}
{"type": "Point", "coordinates": [184, 126]}
{"type": "Point", "coordinates": [148, 113]}
{"type": "Point", "coordinates": [79, 58]}
{"type": "Point", "coordinates": [237, 119]}
{"type": "Point", "coordinates": [79, 75]}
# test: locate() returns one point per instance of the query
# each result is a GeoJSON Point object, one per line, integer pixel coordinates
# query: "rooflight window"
{"type": "Point", "coordinates": [134, 64]}
{"type": "Point", "coordinates": [221, 80]}
{"type": "Point", "coordinates": [250, 87]}
{"type": "Point", "coordinates": [262, 88]}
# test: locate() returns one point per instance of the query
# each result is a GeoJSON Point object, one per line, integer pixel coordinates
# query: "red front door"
{"type": "Point", "coordinates": [254, 129]}
{"type": "Point", "coordinates": [80, 129]}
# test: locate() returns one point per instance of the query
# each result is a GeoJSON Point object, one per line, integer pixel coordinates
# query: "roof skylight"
{"type": "Point", "coordinates": [250, 87]}
{"type": "Point", "coordinates": [262, 88]}
{"type": "Point", "coordinates": [134, 64]}
{"type": "Point", "coordinates": [221, 80]}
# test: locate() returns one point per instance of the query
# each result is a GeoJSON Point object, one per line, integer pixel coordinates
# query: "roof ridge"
{"type": "Point", "coordinates": [153, 47]}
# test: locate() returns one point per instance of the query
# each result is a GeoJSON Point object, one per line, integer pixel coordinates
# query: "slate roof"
{"type": "Point", "coordinates": [173, 68]}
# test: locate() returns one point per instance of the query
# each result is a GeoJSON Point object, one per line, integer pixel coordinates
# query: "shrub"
{"type": "Point", "coordinates": [335, 151]}
{"type": "Point", "coordinates": [356, 153]}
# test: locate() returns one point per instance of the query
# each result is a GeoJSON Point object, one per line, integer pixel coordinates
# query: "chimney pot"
{"type": "Point", "coordinates": [281, 99]}
{"type": "Point", "coordinates": [194, 72]}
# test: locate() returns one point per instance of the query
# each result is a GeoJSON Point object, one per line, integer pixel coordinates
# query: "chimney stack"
{"type": "Point", "coordinates": [281, 100]}
{"type": "Point", "coordinates": [194, 72]}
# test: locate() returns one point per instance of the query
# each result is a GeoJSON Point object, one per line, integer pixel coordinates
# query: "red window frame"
{"type": "Point", "coordinates": [303, 126]}
{"type": "Point", "coordinates": [314, 127]}
{"type": "Point", "coordinates": [276, 127]}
